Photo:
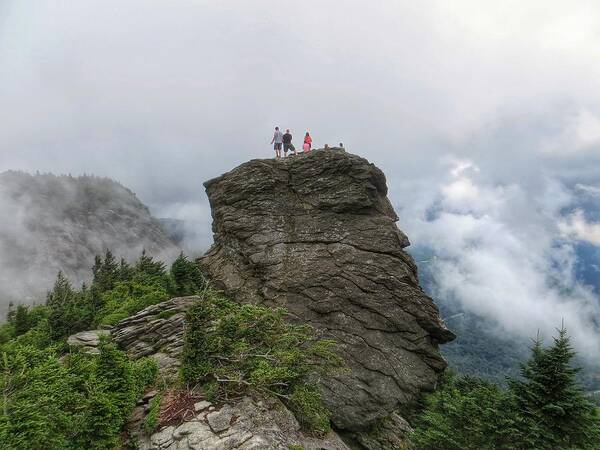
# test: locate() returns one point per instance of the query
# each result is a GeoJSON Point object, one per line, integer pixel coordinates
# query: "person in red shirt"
{"type": "Point", "coordinates": [307, 143]}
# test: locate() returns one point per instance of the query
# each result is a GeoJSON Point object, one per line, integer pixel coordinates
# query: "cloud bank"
{"type": "Point", "coordinates": [501, 253]}
{"type": "Point", "coordinates": [485, 117]}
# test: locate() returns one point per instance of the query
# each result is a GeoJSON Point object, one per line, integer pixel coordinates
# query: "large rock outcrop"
{"type": "Point", "coordinates": [316, 234]}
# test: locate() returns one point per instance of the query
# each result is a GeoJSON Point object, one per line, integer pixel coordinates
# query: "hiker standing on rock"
{"type": "Point", "coordinates": [277, 140]}
{"type": "Point", "coordinates": [287, 143]}
{"type": "Point", "coordinates": [307, 143]}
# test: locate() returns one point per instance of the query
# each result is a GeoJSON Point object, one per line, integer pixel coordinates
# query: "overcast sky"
{"type": "Point", "coordinates": [484, 115]}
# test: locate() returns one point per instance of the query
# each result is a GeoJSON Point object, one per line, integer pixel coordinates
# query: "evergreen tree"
{"type": "Point", "coordinates": [466, 413]}
{"type": "Point", "coordinates": [11, 311]}
{"type": "Point", "coordinates": [68, 311]}
{"type": "Point", "coordinates": [106, 275]}
{"type": "Point", "coordinates": [552, 409]}
{"type": "Point", "coordinates": [21, 320]}
{"type": "Point", "coordinates": [125, 272]}
{"type": "Point", "coordinates": [148, 267]}
{"type": "Point", "coordinates": [105, 272]}
{"type": "Point", "coordinates": [97, 266]}
{"type": "Point", "coordinates": [187, 276]}
{"type": "Point", "coordinates": [61, 293]}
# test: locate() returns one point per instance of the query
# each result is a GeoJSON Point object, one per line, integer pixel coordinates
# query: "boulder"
{"type": "Point", "coordinates": [316, 234]}
{"type": "Point", "coordinates": [155, 331]}
{"type": "Point", "coordinates": [87, 340]}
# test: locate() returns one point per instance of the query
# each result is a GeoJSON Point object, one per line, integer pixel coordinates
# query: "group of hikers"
{"type": "Point", "coordinates": [283, 141]}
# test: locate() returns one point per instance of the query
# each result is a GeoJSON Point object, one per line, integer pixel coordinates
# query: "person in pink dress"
{"type": "Point", "coordinates": [307, 143]}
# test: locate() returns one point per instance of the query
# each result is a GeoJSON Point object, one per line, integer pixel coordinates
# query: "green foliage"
{"type": "Point", "coordinates": [165, 314]}
{"type": "Point", "coordinates": [187, 276]}
{"type": "Point", "coordinates": [231, 349]}
{"type": "Point", "coordinates": [309, 409]}
{"type": "Point", "coordinates": [81, 402]}
{"type": "Point", "coordinates": [152, 417]}
{"type": "Point", "coordinates": [545, 409]}
{"type": "Point", "coordinates": [117, 291]}
{"type": "Point", "coordinates": [68, 310]}
{"type": "Point", "coordinates": [52, 399]}
{"type": "Point", "coordinates": [129, 297]}
{"type": "Point", "coordinates": [21, 320]}
{"type": "Point", "coordinates": [551, 403]}
{"type": "Point", "coordinates": [465, 413]}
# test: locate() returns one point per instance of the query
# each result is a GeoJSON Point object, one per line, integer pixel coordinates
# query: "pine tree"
{"type": "Point", "coordinates": [147, 266]}
{"type": "Point", "coordinates": [22, 322]}
{"type": "Point", "coordinates": [105, 272]}
{"type": "Point", "coordinates": [68, 311]}
{"type": "Point", "coordinates": [187, 276]}
{"type": "Point", "coordinates": [553, 410]}
{"type": "Point", "coordinates": [97, 267]}
{"type": "Point", "coordinates": [61, 293]}
{"type": "Point", "coordinates": [125, 272]}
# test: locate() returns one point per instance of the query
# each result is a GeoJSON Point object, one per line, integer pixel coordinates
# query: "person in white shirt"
{"type": "Point", "coordinates": [278, 141]}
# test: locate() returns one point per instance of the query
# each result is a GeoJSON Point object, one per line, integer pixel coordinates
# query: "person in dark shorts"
{"type": "Point", "coordinates": [277, 141]}
{"type": "Point", "coordinates": [287, 143]}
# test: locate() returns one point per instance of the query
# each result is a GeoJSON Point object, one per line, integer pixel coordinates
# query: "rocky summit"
{"type": "Point", "coordinates": [316, 234]}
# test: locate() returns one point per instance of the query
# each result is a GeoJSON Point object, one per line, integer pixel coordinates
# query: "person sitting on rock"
{"type": "Point", "coordinates": [277, 140]}
{"type": "Point", "coordinates": [287, 143]}
{"type": "Point", "coordinates": [307, 143]}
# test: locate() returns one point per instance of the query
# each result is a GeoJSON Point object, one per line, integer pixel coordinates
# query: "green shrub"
{"type": "Point", "coordinates": [129, 297]}
{"type": "Point", "coordinates": [232, 349]}
{"type": "Point", "coordinates": [81, 402]}
{"type": "Point", "coordinates": [308, 407]}
{"type": "Point", "coordinates": [465, 413]}
{"type": "Point", "coordinates": [165, 314]}
{"type": "Point", "coordinates": [151, 419]}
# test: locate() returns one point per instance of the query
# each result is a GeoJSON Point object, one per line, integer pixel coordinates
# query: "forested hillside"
{"type": "Point", "coordinates": [53, 223]}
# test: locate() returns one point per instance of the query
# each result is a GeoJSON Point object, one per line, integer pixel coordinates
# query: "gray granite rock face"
{"type": "Point", "coordinates": [316, 234]}
{"type": "Point", "coordinates": [155, 331]}
{"type": "Point", "coordinates": [250, 424]}
{"type": "Point", "coordinates": [89, 338]}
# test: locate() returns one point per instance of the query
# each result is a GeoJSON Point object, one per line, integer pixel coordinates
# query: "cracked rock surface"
{"type": "Point", "coordinates": [250, 424]}
{"type": "Point", "coordinates": [316, 234]}
{"type": "Point", "coordinates": [88, 340]}
{"type": "Point", "coordinates": [155, 331]}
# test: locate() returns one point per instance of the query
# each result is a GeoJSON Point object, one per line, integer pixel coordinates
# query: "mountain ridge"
{"type": "Point", "coordinates": [62, 222]}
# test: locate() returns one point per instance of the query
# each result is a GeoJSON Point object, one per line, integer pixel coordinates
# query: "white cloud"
{"type": "Point", "coordinates": [594, 191]}
{"type": "Point", "coordinates": [579, 228]}
{"type": "Point", "coordinates": [503, 257]}
{"type": "Point", "coordinates": [580, 134]}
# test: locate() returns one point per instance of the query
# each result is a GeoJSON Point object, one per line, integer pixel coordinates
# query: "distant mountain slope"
{"type": "Point", "coordinates": [50, 223]}
{"type": "Point", "coordinates": [482, 348]}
